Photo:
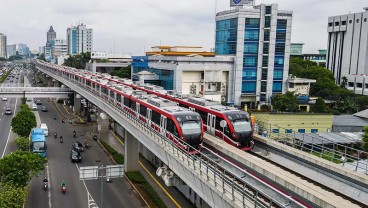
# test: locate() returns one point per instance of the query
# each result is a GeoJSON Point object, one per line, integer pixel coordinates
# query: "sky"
{"type": "Point", "coordinates": [132, 27]}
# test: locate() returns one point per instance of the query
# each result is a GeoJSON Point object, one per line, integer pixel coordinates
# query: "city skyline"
{"type": "Point", "coordinates": [156, 23]}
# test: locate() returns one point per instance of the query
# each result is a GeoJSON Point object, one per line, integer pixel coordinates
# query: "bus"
{"type": "Point", "coordinates": [38, 141]}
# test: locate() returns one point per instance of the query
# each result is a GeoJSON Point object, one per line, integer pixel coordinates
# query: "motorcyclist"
{"type": "Point", "coordinates": [61, 139]}
{"type": "Point", "coordinates": [63, 184]}
{"type": "Point", "coordinates": [74, 133]}
{"type": "Point", "coordinates": [45, 180]}
{"type": "Point", "coordinates": [54, 116]}
{"type": "Point", "coordinates": [55, 135]}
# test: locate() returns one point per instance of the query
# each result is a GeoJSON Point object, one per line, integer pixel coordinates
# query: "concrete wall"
{"type": "Point", "coordinates": [321, 122]}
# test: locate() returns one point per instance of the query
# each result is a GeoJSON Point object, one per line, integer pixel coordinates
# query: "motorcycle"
{"type": "Point", "coordinates": [45, 185]}
{"type": "Point", "coordinates": [55, 135]}
{"type": "Point", "coordinates": [74, 134]}
{"type": "Point", "coordinates": [86, 145]}
{"type": "Point", "coordinates": [61, 139]}
{"type": "Point", "coordinates": [54, 117]}
{"type": "Point", "coordinates": [63, 120]}
{"type": "Point", "coordinates": [63, 189]}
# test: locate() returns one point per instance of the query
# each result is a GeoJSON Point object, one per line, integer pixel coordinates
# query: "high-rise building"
{"type": "Point", "coordinates": [41, 50]}
{"type": "Point", "coordinates": [348, 48]}
{"type": "Point", "coordinates": [59, 47]}
{"type": "Point", "coordinates": [51, 34]}
{"type": "Point", "coordinates": [2, 45]}
{"type": "Point", "coordinates": [23, 50]}
{"type": "Point", "coordinates": [79, 39]}
{"type": "Point", "coordinates": [259, 38]}
{"type": "Point", "coordinates": [11, 50]}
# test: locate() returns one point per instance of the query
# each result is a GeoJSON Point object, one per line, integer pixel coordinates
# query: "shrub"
{"type": "Point", "coordinates": [22, 143]}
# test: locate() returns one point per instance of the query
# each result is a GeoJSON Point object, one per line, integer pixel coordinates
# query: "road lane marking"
{"type": "Point", "coordinates": [158, 183]}
{"type": "Point", "coordinates": [49, 189]}
{"type": "Point", "coordinates": [10, 130]}
{"type": "Point", "coordinates": [90, 202]}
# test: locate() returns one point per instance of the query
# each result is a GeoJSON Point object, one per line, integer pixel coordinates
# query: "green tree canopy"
{"type": "Point", "coordinates": [22, 143]}
{"type": "Point", "coordinates": [19, 167]}
{"type": "Point", "coordinates": [287, 102]}
{"type": "Point", "coordinates": [365, 139]}
{"type": "Point", "coordinates": [24, 121]}
{"type": "Point", "coordinates": [78, 61]}
{"type": "Point", "coordinates": [123, 72]}
{"type": "Point", "coordinates": [10, 196]}
{"type": "Point", "coordinates": [319, 106]}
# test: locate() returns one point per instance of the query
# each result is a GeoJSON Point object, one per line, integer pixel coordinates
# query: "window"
{"type": "Point", "coordinates": [127, 102]}
{"type": "Point", "coordinates": [263, 86]}
{"type": "Point", "coordinates": [357, 21]}
{"type": "Point", "coordinates": [251, 35]}
{"type": "Point", "coordinates": [314, 130]}
{"type": "Point", "coordinates": [365, 19]}
{"type": "Point", "coordinates": [291, 85]}
{"type": "Point", "coordinates": [281, 24]}
{"type": "Point", "coordinates": [351, 84]}
{"type": "Point", "coordinates": [301, 130]}
{"type": "Point", "coordinates": [267, 21]}
{"type": "Point", "coordinates": [143, 110]}
{"type": "Point", "coordinates": [250, 61]}
{"type": "Point", "coordinates": [330, 24]}
{"type": "Point", "coordinates": [264, 74]}
{"type": "Point", "coordinates": [288, 131]}
{"type": "Point", "coordinates": [248, 87]}
{"type": "Point", "coordinates": [133, 105]}
{"type": "Point", "coordinates": [268, 9]}
{"type": "Point", "coordinates": [337, 24]}
{"type": "Point", "coordinates": [266, 35]}
{"type": "Point", "coordinates": [265, 48]}
{"type": "Point", "coordinates": [252, 23]}
{"type": "Point", "coordinates": [250, 48]}
{"type": "Point", "coordinates": [277, 86]}
{"type": "Point", "coordinates": [275, 130]}
{"type": "Point", "coordinates": [279, 61]}
{"type": "Point", "coordinates": [263, 98]}
{"type": "Point", "coordinates": [204, 116]}
{"type": "Point", "coordinates": [343, 22]}
{"type": "Point", "coordinates": [249, 74]}
{"type": "Point", "coordinates": [359, 85]}
{"type": "Point", "coordinates": [277, 74]}
{"type": "Point", "coordinates": [350, 21]}
{"type": "Point", "coordinates": [156, 117]}
{"type": "Point", "coordinates": [366, 86]}
{"type": "Point", "coordinates": [264, 61]}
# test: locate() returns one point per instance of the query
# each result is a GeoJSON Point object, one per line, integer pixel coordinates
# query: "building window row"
{"type": "Point", "coordinates": [343, 23]}
{"type": "Point", "coordinates": [358, 85]}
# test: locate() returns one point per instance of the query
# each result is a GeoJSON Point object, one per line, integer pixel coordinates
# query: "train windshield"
{"type": "Point", "coordinates": [191, 127]}
{"type": "Point", "coordinates": [241, 125]}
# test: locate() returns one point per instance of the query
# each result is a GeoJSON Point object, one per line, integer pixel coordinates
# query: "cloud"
{"type": "Point", "coordinates": [132, 26]}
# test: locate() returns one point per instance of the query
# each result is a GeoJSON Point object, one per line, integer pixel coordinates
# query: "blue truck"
{"type": "Point", "coordinates": [38, 141]}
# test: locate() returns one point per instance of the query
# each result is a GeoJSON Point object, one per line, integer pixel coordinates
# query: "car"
{"type": "Point", "coordinates": [77, 146]}
{"type": "Point", "coordinates": [29, 99]}
{"type": "Point", "coordinates": [5, 99]}
{"type": "Point", "coordinates": [75, 156]}
{"type": "Point", "coordinates": [8, 111]}
{"type": "Point", "coordinates": [44, 108]}
{"type": "Point", "coordinates": [34, 107]}
{"type": "Point", "coordinates": [38, 102]}
{"type": "Point", "coordinates": [11, 80]}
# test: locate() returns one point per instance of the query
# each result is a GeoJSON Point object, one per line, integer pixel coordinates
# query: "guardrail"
{"type": "Point", "coordinates": [34, 89]}
{"type": "Point", "coordinates": [324, 148]}
{"type": "Point", "coordinates": [230, 185]}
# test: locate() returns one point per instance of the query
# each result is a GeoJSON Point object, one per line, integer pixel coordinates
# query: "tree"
{"type": "Point", "coordinates": [287, 102]}
{"type": "Point", "coordinates": [344, 82]}
{"type": "Point", "coordinates": [319, 106]}
{"type": "Point", "coordinates": [22, 143]}
{"type": "Point", "coordinates": [12, 196]}
{"type": "Point", "coordinates": [19, 167]}
{"type": "Point", "coordinates": [365, 139]}
{"type": "Point", "coordinates": [123, 72]}
{"type": "Point", "coordinates": [361, 102]}
{"type": "Point", "coordinates": [78, 61]}
{"type": "Point", "coordinates": [24, 121]}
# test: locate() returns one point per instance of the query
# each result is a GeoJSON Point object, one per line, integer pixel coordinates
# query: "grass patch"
{"type": "Point", "coordinates": [2, 78]}
{"type": "Point", "coordinates": [146, 189]}
{"type": "Point", "coordinates": [119, 158]}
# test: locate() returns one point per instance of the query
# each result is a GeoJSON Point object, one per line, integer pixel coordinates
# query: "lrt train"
{"type": "Point", "coordinates": [179, 124]}
{"type": "Point", "coordinates": [238, 130]}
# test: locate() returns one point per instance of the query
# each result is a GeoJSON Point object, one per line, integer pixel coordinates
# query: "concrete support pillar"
{"type": "Point", "coordinates": [131, 156]}
{"type": "Point", "coordinates": [103, 123]}
{"type": "Point", "coordinates": [77, 103]}
{"type": "Point", "coordinates": [94, 65]}
{"type": "Point", "coordinates": [49, 82]}
{"type": "Point", "coordinates": [56, 83]}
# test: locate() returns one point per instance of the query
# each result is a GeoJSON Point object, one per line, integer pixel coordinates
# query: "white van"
{"type": "Point", "coordinates": [44, 128]}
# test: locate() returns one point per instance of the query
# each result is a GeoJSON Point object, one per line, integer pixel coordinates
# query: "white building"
{"type": "Point", "coordinates": [59, 47]}
{"type": "Point", "coordinates": [2, 46]}
{"type": "Point", "coordinates": [348, 50]}
{"type": "Point", "coordinates": [11, 50]}
{"type": "Point", "coordinates": [79, 39]}
{"type": "Point", "coordinates": [300, 86]}
{"type": "Point", "coordinates": [259, 38]}
{"type": "Point", "coordinates": [41, 50]}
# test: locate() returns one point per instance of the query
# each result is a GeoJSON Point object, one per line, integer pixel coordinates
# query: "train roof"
{"type": "Point", "coordinates": [161, 102]}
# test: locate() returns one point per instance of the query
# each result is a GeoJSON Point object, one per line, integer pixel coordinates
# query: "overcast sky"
{"type": "Point", "coordinates": [134, 26]}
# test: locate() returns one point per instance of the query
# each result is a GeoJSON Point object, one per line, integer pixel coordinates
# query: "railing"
{"type": "Point", "coordinates": [205, 168]}
{"type": "Point", "coordinates": [35, 89]}
{"type": "Point", "coordinates": [321, 147]}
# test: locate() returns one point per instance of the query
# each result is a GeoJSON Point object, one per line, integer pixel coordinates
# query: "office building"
{"type": "Point", "coordinates": [51, 34]}
{"type": "Point", "coordinates": [79, 39]}
{"type": "Point", "coordinates": [41, 50]}
{"type": "Point", "coordinates": [59, 47]}
{"type": "Point", "coordinates": [2, 45]}
{"type": "Point", "coordinates": [347, 54]}
{"type": "Point", "coordinates": [23, 50]}
{"type": "Point", "coordinates": [296, 49]}
{"type": "Point", "coordinates": [186, 70]}
{"type": "Point", "coordinates": [11, 50]}
{"type": "Point", "coordinates": [259, 38]}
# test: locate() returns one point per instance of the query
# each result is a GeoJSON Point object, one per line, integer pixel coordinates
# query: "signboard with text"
{"type": "Point", "coordinates": [98, 55]}
{"type": "Point", "coordinates": [234, 3]}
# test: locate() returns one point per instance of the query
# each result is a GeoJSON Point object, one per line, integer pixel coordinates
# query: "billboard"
{"type": "Point", "coordinates": [98, 55]}
{"type": "Point", "coordinates": [234, 3]}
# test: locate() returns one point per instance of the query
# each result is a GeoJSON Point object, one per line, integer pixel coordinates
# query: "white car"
{"type": "Point", "coordinates": [5, 99]}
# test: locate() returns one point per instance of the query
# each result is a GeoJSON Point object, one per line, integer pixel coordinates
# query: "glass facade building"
{"type": "Point", "coordinates": [259, 37]}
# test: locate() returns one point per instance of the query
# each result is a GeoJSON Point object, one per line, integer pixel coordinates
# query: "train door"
{"type": "Point", "coordinates": [211, 121]}
{"type": "Point", "coordinates": [163, 125]}
{"type": "Point", "coordinates": [149, 114]}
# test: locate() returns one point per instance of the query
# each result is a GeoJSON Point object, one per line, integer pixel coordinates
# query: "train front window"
{"type": "Point", "coordinates": [191, 127]}
{"type": "Point", "coordinates": [241, 125]}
